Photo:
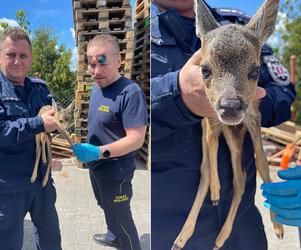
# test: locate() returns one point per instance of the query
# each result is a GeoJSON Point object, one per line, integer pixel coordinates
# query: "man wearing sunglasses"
{"type": "Point", "coordinates": [116, 128]}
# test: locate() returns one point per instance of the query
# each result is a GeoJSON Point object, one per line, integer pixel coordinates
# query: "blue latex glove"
{"type": "Point", "coordinates": [284, 198]}
{"type": "Point", "coordinates": [86, 152]}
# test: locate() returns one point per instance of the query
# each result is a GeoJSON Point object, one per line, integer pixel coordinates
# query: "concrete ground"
{"type": "Point", "coordinates": [79, 215]}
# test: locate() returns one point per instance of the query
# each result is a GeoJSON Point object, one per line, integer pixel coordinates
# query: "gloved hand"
{"type": "Point", "coordinates": [86, 152]}
{"type": "Point", "coordinates": [284, 198]}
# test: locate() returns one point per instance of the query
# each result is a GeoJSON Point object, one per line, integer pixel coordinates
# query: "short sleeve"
{"type": "Point", "coordinates": [134, 113]}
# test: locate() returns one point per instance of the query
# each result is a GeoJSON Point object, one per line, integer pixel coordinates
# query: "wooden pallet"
{"type": "Point", "coordinates": [142, 9]}
{"type": "Point", "coordinates": [81, 105]}
{"type": "Point", "coordinates": [82, 15]}
{"type": "Point", "coordinates": [144, 153]}
{"type": "Point", "coordinates": [84, 86]}
{"type": "Point", "coordinates": [81, 123]}
{"type": "Point", "coordinates": [91, 4]}
{"type": "Point", "coordinates": [87, 36]}
{"type": "Point", "coordinates": [82, 96]}
{"type": "Point", "coordinates": [80, 139]}
{"type": "Point", "coordinates": [108, 25]}
{"type": "Point", "coordinates": [81, 132]}
{"type": "Point", "coordinates": [61, 147]}
{"type": "Point", "coordinates": [84, 77]}
{"type": "Point", "coordinates": [140, 70]}
{"type": "Point", "coordinates": [280, 135]}
{"type": "Point", "coordinates": [80, 114]}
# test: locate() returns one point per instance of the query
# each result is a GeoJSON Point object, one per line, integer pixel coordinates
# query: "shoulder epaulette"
{"type": "Point", "coordinates": [37, 80]}
{"type": "Point", "coordinates": [232, 12]}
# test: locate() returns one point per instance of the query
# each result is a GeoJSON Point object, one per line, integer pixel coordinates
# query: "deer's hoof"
{"type": "Point", "coordinates": [278, 228]}
{"type": "Point", "coordinates": [215, 202]}
{"type": "Point", "coordinates": [216, 247]}
{"type": "Point", "coordinates": [175, 247]}
{"type": "Point", "coordinates": [280, 235]}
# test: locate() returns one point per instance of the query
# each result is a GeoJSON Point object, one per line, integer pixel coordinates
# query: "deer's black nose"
{"type": "Point", "coordinates": [230, 106]}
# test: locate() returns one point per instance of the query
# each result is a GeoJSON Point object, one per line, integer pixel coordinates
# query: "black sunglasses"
{"type": "Point", "coordinates": [101, 59]}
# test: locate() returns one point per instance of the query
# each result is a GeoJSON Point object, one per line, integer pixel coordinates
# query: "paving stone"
{"type": "Point", "coordinates": [80, 217]}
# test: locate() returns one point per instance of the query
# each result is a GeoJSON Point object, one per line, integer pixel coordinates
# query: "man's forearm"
{"type": "Point", "coordinates": [125, 145]}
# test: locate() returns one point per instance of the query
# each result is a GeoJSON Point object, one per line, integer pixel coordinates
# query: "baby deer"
{"type": "Point", "coordinates": [230, 69]}
{"type": "Point", "coordinates": [43, 145]}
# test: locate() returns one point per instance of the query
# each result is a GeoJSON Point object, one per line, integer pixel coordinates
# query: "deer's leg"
{"type": "Point", "coordinates": [235, 143]}
{"type": "Point", "coordinates": [190, 222]}
{"type": "Point", "coordinates": [212, 134]}
{"type": "Point", "coordinates": [43, 144]}
{"type": "Point", "coordinates": [38, 155]}
{"type": "Point", "coordinates": [49, 154]}
{"type": "Point", "coordinates": [65, 135]}
{"type": "Point", "coordinates": [262, 164]}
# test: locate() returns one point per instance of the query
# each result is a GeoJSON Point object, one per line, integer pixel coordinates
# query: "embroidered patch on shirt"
{"type": "Point", "coordinates": [277, 71]}
{"type": "Point", "coordinates": [104, 108]}
{"type": "Point", "coordinates": [121, 198]}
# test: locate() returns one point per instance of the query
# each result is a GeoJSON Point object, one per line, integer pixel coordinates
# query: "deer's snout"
{"type": "Point", "coordinates": [231, 107]}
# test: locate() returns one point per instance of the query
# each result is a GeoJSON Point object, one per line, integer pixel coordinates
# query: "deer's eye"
{"type": "Point", "coordinates": [206, 73]}
{"type": "Point", "coordinates": [254, 74]}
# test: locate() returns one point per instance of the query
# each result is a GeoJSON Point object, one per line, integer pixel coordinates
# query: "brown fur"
{"type": "Point", "coordinates": [43, 144]}
{"type": "Point", "coordinates": [230, 52]}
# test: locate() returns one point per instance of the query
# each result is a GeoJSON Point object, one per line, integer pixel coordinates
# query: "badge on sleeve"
{"type": "Point", "coordinates": [277, 71]}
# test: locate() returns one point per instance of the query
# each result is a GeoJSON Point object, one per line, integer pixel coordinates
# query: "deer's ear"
{"type": "Point", "coordinates": [264, 21]}
{"type": "Point", "coordinates": [54, 106]}
{"type": "Point", "coordinates": [204, 20]}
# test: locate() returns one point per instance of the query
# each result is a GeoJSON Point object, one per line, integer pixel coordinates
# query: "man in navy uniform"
{"type": "Point", "coordinates": [178, 105]}
{"type": "Point", "coordinates": [21, 98]}
{"type": "Point", "coordinates": [117, 121]}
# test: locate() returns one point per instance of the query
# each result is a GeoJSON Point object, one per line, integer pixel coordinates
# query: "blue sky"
{"type": "Point", "coordinates": [54, 14]}
{"type": "Point", "coordinates": [57, 14]}
{"type": "Point", "coordinates": [248, 6]}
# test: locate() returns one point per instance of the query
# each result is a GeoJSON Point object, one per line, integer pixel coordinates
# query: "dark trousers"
{"type": "Point", "coordinates": [40, 203]}
{"type": "Point", "coordinates": [114, 197]}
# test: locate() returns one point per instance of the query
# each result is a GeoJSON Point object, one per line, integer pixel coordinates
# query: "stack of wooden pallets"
{"type": "Point", "coordinates": [91, 18]}
{"type": "Point", "coordinates": [141, 62]}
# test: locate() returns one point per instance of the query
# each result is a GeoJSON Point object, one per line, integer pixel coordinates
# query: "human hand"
{"type": "Point", "coordinates": [86, 152]}
{"type": "Point", "coordinates": [49, 121]}
{"type": "Point", "coordinates": [192, 88]}
{"type": "Point", "coordinates": [284, 198]}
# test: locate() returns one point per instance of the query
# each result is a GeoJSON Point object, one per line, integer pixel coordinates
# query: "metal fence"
{"type": "Point", "coordinates": [64, 98]}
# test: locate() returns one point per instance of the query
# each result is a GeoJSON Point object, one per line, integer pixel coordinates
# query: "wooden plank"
{"type": "Point", "coordinates": [279, 135]}
{"type": "Point", "coordinates": [84, 86]}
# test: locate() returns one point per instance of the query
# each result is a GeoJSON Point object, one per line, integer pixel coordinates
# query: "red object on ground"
{"type": "Point", "coordinates": [288, 153]}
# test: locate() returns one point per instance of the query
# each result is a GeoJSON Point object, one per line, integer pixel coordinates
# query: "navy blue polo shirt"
{"type": "Point", "coordinates": [114, 108]}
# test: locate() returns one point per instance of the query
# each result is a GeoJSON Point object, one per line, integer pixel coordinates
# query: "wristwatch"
{"type": "Point", "coordinates": [105, 153]}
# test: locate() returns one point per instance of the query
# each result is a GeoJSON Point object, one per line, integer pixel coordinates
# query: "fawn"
{"type": "Point", "coordinates": [230, 69]}
{"type": "Point", "coordinates": [43, 144]}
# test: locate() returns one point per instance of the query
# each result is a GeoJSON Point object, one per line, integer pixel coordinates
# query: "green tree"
{"type": "Point", "coordinates": [3, 26]}
{"type": "Point", "coordinates": [52, 62]}
{"type": "Point", "coordinates": [291, 35]}
{"type": "Point", "coordinates": [21, 20]}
